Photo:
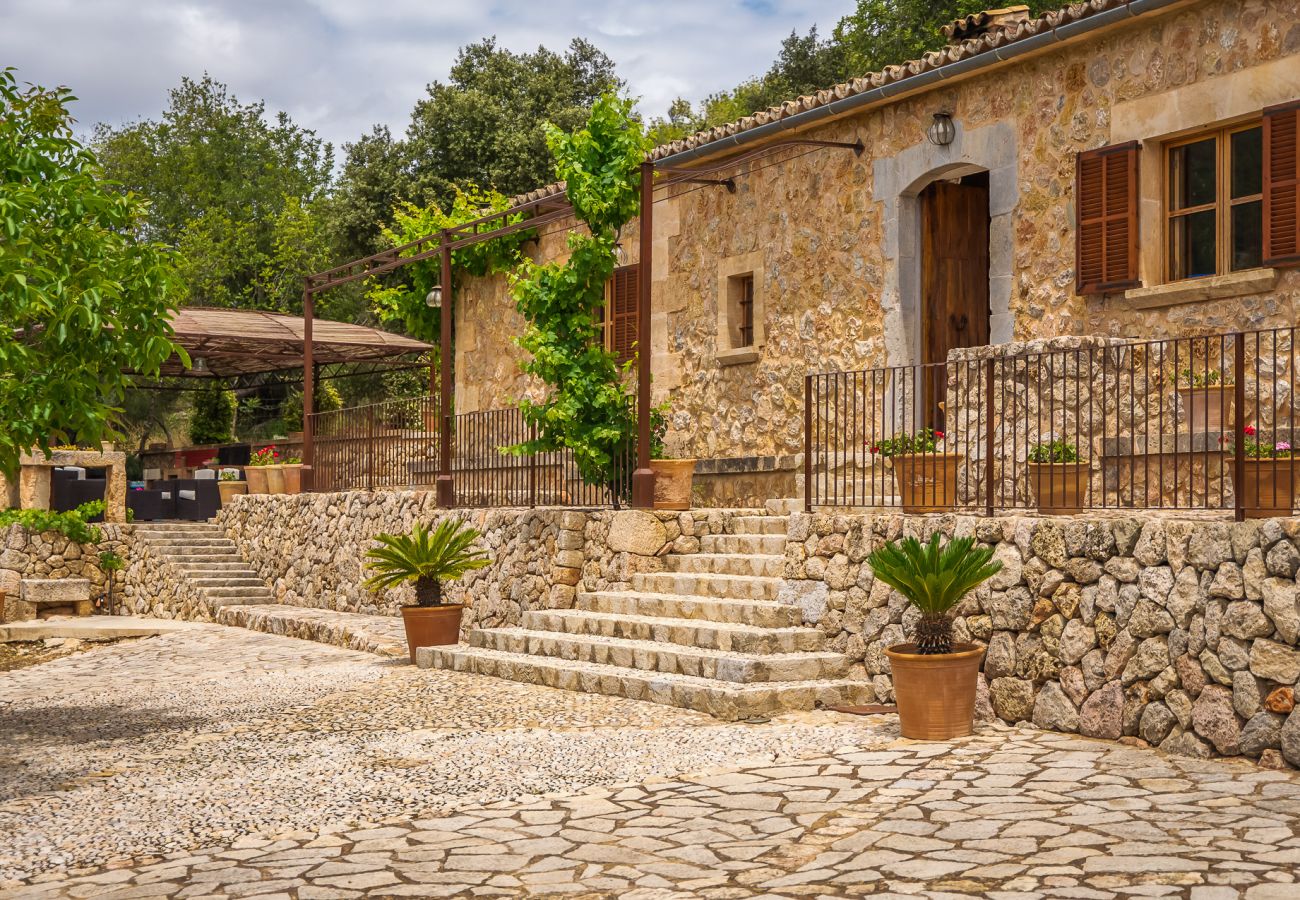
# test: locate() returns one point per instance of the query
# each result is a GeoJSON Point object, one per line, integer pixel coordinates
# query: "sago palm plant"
{"type": "Point", "coordinates": [425, 557]}
{"type": "Point", "coordinates": [934, 578]}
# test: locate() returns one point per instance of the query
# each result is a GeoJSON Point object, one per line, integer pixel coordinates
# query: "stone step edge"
{"type": "Point", "coordinates": [701, 600]}
{"type": "Point", "coordinates": [677, 621]}
{"type": "Point", "coordinates": [261, 617]}
{"type": "Point", "coordinates": [661, 646]}
{"type": "Point", "coordinates": [723, 700]}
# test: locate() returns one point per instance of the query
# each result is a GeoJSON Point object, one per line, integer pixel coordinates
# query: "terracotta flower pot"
{"type": "Point", "coordinates": [431, 626]}
{"type": "Point", "coordinates": [274, 479]}
{"type": "Point", "coordinates": [1270, 486]}
{"type": "Point", "coordinates": [927, 482]}
{"type": "Point", "coordinates": [292, 478]}
{"type": "Point", "coordinates": [935, 693]}
{"type": "Point", "coordinates": [1207, 408]}
{"type": "Point", "coordinates": [256, 478]}
{"type": "Point", "coordinates": [673, 481]}
{"type": "Point", "coordinates": [229, 489]}
{"type": "Point", "coordinates": [1059, 488]}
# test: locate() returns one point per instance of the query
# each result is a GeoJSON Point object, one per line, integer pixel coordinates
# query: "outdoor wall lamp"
{"type": "Point", "coordinates": [620, 255]}
{"type": "Point", "coordinates": [942, 131]}
{"type": "Point", "coordinates": [433, 299]}
{"type": "Point", "coordinates": [200, 364]}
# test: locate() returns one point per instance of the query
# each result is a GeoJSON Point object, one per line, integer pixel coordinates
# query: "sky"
{"type": "Point", "coordinates": [341, 66]}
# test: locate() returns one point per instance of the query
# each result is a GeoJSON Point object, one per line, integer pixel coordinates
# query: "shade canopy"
{"type": "Point", "coordinates": [227, 342]}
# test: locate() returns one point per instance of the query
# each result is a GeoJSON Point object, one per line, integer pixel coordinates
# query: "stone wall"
{"type": "Point", "coordinates": [26, 554]}
{"type": "Point", "coordinates": [1181, 634]}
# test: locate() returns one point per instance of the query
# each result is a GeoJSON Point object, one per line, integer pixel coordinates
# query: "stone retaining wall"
{"type": "Point", "coordinates": [26, 554]}
{"type": "Point", "coordinates": [1180, 634]}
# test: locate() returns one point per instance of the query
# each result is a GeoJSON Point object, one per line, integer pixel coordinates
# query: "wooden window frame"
{"type": "Point", "coordinates": [609, 319]}
{"type": "Point", "coordinates": [1222, 205]}
{"type": "Point", "coordinates": [745, 303]}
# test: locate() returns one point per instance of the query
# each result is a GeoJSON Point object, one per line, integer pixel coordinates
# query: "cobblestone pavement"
{"type": "Point", "coordinates": [206, 736]}
{"type": "Point", "coordinates": [1008, 813]}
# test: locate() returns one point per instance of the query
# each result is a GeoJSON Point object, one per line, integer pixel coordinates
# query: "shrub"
{"type": "Point", "coordinates": [71, 524]}
{"type": "Point", "coordinates": [926, 440]}
{"type": "Point", "coordinates": [214, 416]}
{"type": "Point", "coordinates": [425, 558]}
{"type": "Point", "coordinates": [934, 579]}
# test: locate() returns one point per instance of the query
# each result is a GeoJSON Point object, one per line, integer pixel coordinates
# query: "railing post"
{"type": "Point", "coordinates": [532, 468]}
{"type": "Point", "coordinates": [445, 489]}
{"type": "Point", "coordinates": [643, 477]}
{"type": "Point", "coordinates": [989, 443]}
{"type": "Point", "coordinates": [1239, 426]}
{"type": "Point", "coordinates": [807, 444]}
{"type": "Point", "coordinates": [370, 447]}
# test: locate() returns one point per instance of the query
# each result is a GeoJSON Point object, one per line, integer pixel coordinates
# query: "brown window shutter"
{"type": "Point", "coordinates": [1106, 226]}
{"type": "Point", "coordinates": [623, 309]}
{"type": "Point", "coordinates": [1282, 185]}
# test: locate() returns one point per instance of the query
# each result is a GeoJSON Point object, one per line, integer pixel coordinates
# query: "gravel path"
{"type": "Point", "coordinates": [204, 737]}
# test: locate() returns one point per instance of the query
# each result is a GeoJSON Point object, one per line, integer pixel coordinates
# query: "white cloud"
{"type": "Point", "coordinates": [340, 66]}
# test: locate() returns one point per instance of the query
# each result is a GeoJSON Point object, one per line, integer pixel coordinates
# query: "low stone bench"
{"type": "Point", "coordinates": [45, 597]}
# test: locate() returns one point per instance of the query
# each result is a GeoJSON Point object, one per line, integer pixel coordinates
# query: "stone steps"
{"type": "Point", "coordinates": [208, 562]}
{"type": "Point", "coordinates": [730, 587]}
{"type": "Point", "coordinates": [382, 635]}
{"type": "Point", "coordinates": [748, 544]}
{"type": "Point", "coordinates": [725, 700]}
{"type": "Point", "coordinates": [764, 565]}
{"type": "Point", "coordinates": [700, 633]}
{"type": "Point", "coordinates": [655, 656]}
{"type": "Point", "coordinates": [763, 613]}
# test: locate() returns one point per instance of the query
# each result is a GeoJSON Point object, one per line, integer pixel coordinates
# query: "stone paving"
{"type": "Point", "coordinates": [843, 808]}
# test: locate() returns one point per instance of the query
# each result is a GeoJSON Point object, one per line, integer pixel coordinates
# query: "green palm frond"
{"type": "Point", "coordinates": [934, 578]}
{"type": "Point", "coordinates": [443, 554]}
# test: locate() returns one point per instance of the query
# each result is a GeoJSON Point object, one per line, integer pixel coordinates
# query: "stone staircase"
{"type": "Point", "coordinates": [208, 561]}
{"type": "Point", "coordinates": [707, 633]}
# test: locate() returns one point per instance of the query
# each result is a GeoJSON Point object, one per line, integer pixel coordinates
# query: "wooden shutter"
{"type": "Point", "coordinates": [623, 306]}
{"type": "Point", "coordinates": [1106, 225]}
{"type": "Point", "coordinates": [1282, 185]}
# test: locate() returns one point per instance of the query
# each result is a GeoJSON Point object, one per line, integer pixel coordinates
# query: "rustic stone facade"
{"type": "Point", "coordinates": [835, 235]}
{"type": "Point", "coordinates": [28, 555]}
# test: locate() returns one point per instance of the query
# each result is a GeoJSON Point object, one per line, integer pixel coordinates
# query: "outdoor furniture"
{"type": "Point", "coordinates": [205, 474]}
{"type": "Point", "coordinates": [84, 490]}
{"type": "Point", "coordinates": [145, 505]}
{"type": "Point", "coordinates": [196, 499]}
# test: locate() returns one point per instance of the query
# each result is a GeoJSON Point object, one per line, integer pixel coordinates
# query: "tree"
{"type": "Point", "coordinates": [373, 182]}
{"type": "Point", "coordinates": [484, 126]}
{"type": "Point", "coordinates": [887, 32]}
{"type": "Point", "coordinates": [232, 188]}
{"type": "Point", "coordinates": [83, 298]}
{"type": "Point", "coordinates": [213, 421]}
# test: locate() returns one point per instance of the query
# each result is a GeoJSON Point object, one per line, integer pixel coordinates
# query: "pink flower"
{"type": "Point", "coordinates": [1282, 445]}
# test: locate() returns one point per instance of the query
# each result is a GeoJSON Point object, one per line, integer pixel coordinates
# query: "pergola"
{"type": "Point", "coordinates": [552, 206]}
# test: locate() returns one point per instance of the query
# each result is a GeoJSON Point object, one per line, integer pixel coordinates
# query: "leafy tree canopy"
{"type": "Point", "coordinates": [83, 297]}
{"type": "Point", "coordinates": [232, 188]}
{"type": "Point", "coordinates": [485, 125]}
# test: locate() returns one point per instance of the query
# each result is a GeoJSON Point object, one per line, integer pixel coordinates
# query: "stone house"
{"type": "Point", "coordinates": [1123, 168]}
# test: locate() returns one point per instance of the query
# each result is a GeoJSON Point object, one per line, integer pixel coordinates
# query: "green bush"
{"type": "Point", "coordinates": [1054, 452]}
{"type": "Point", "coordinates": [72, 524]}
{"type": "Point", "coordinates": [327, 397]}
{"type": "Point", "coordinates": [214, 416]}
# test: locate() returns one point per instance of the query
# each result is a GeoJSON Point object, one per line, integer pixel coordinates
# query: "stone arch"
{"type": "Point", "coordinates": [898, 182]}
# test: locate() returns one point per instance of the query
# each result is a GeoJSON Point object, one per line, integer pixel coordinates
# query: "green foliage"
{"type": "Point", "coordinates": [403, 305]}
{"type": "Point", "coordinates": [111, 562]}
{"type": "Point", "coordinates": [924, 441]}
{"type": "Point", "coordinates": [325, 398]}
{"type": "Point", "coordinates": [658, 429]}
{"type": "Point", "coordinates": [213, 421]}
{"type": "Point", "coordinates": [1256, 446]}
{"type": "Point", "coordinates": [934, 579]}
{"type": "Point", "coordinates": [485, 124]}
{"type": "Point", "coordinates": [232, 188]}
{"type": "Point", "coordinates": [1054, 452]}
{"type": "Point", "coordinates": [372, 183]}
{"type": "Point", "coordinates": [426, 558]}
{"type": "Point", "coordinates": [265, 456]}
{"type": "Point", "coordinates": [82, 299]}
{"type": "Point", "coordinates": [1204, 378]}
{"type": "Point", "coordinates": [586, 410]}
{"type": "Point", "coordinates": [228, 475]}
{"type": "Point", "coordinates": [71, 524]}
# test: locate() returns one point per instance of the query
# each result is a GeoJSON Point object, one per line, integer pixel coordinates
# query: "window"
{"type": "Point", "coordinates": [744, 290]}
{"type": "Point", "coordinates": [1214, 203]}
{"type": "Point", "coordinates": [619, 316]}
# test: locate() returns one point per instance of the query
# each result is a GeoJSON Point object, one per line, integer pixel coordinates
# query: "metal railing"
{"type": "Point", "coordinates": [1091, 424]}
{"type": "Point", "coordinates": [394, 445]}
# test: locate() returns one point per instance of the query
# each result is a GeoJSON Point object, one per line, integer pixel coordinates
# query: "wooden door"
{"type": "Point", "coordinates": [954, 279]}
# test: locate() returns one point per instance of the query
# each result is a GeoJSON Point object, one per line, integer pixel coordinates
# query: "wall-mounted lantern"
{"type": "Point", "coordinates": [433, 299]}
{"type": "Point", "coordinates": [942, 131]}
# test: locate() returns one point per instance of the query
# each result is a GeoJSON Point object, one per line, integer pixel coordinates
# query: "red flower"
{"type": "Point", "coordinates": [875, 449]}
{"type": "Point", "coordinates": [1249, 429]}
{"type": "Point", "coordinates": [938, 435]}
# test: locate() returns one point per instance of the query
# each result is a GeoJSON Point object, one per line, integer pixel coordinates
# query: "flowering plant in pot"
{"type": "Point", "coordinates": [674, 478]}
{"type": "Point", "coordinates": [1205, 397]}
{"type": "Point", "coordinates": [934, 678]}
{"type": "Point", "coordinates": [1059, 478]}
{"type": "Point", "coordinates": [229, 485]}
{"type": "Point", "coordinates": [1270, 483]}
{"type": "Point", "coordinates": [426, 559]}
{"type": "Point", "coordinates": [925, 474]}
{"type": "Point", "coordinates": [259, 469]}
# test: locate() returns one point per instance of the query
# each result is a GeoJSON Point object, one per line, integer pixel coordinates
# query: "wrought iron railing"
{"type": "Point", "coordinates": [1090, 423]}
{"type": "Point", "coordinates": [394, 445]}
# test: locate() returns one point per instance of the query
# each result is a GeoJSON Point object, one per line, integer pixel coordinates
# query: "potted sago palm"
{"type": "Point", "coordinates": [426, 559]}
{"type": "Point", "coordinates": [934, 678]}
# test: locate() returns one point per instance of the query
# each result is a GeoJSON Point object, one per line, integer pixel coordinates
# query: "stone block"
{"type": "Point", "coordinates": [56, 591]}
